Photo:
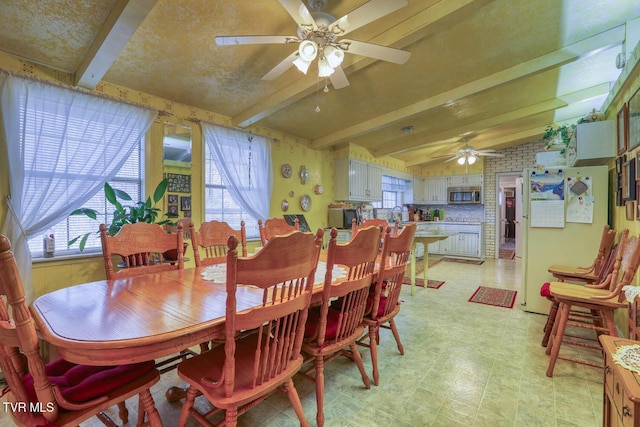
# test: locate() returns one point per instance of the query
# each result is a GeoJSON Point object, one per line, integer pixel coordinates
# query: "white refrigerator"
{"type": "Point", "coordinates": [564, 211]}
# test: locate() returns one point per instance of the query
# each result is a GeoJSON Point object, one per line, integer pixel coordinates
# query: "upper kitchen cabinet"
{"type": "Point", "coordinates": [418, 190]}
{"type": "Point", "coordinates": [592, 144]}
{"type": "Point", "coordinates": [435, 190]}
{"type": "Point", "coordinates": [468, 180]}
{"type": "Point", "coordinates": [357, 180]}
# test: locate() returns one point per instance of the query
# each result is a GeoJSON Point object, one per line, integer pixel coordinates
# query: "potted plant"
{"type": "Point", "coordinates": [126, 214]}
{"type": "Point", "coordinates": [557, 137]}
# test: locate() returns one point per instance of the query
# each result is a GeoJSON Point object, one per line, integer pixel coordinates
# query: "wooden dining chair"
{"type": "Point", "coordinates": [603, 273]}
{"type": "Point", "coordinates": [263, 340]}
{"type": "Point", "coordinates": [141, 248]}
{"type": "Point", "coordinates": [212, 239]}
{"type": "Point", "coordinates": [385, 298]}
{"type": "Point", "coordinates": [588, 274]}
{"type": "Point", "coordinates": [60, 393]}
{"type": "Point", "coordinates": [376, 222]}
{"type": "Point", "coordinates": [338, 322]}
{"type": "Point", "coordinates": [600, 302]}
{"type": "Point", "coordinates": [275, 227]}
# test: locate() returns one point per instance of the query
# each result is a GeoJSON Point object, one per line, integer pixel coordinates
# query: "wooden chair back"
{"type": "Point", "coordinates": [28, 378]}
{"type": "Point", "coordinates": [212, 241]}
{"type": "Point", "coordinates": [396, 252]}
{"type": "Point", "coordinates": [143, 248]}
{"type": "Point", "coordinates": [275, 227]}
{"type": "Point", "coordinates": [625, 267]}
{"type": "Point", "coordinates": [606, 244]}
{"type": "Point", "coordinates": [358, 256]}
{"type": "Point", "coordinates": [375, 222]}
{"type": "Point", "coordinates": [284, 271]}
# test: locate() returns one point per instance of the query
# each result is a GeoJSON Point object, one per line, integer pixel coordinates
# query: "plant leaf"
{"type": "Point", "coordinates": [91, 213]}
{"type": "Point", "coordinates": [109, 194]}
{"type": "Point", "coordinates": [158, 194]}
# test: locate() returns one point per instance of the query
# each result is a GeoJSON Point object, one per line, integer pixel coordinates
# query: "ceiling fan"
{"type": "Point", "coordinates": [468, 155]}
{"type": "Point", "coordinates": [319, 36]}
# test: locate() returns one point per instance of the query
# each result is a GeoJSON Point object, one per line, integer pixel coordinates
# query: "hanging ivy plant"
{"type": "Point", "coordinates": [558, 135]}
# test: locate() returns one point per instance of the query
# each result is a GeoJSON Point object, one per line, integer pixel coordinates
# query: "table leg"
{"type": "Point", "coordinates": [413, 269]}
{"type": "Point", "coordinates": [425, 261]}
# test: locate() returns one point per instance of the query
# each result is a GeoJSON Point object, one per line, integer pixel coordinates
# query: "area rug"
{"type": "Point", "coordinates": [507, 253]}
{"type": "Point", "coordinates": [431, 284]}
{"type": "Point", "coordinates": [494, 296]}
{"type": "Point", "coordinates": [465, 261]}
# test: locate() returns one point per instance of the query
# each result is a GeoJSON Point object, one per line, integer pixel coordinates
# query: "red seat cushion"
{"type": "Point", "coordinates": [313, 323]}
{"type": "Point", "coordinates": [80, 383]}
{"type": "Point", "coordinates": [545, 290]}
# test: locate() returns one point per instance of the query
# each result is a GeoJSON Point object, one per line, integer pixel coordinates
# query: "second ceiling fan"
{"type": "Point", "coordinates": [319, 35]}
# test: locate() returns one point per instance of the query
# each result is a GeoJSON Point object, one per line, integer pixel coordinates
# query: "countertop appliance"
{"type": "Point", "coordinates": [549, 235]}
{"type": "Point", "coordinates": [341, 218]}
{"type": "Point", "coordinates": [464, 195]}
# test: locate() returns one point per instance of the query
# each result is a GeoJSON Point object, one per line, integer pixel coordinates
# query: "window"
{"type": "Point", "coordinates": [392, 192]}
{"type": "Point", "coordinates": [129, 178]}
{"type": "Point", "coordinates": [219, 205]}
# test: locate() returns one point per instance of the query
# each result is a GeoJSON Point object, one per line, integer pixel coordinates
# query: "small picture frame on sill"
{"type": "Point", "coordinates": [637, 204]}
{"type": "Point", "coordinates": [630, 210]}
{"type": "Point", "coordinates": [185, 203]}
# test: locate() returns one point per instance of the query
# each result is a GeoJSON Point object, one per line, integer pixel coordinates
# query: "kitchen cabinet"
{"type": "Point", "coordinates": [466, 242]}
{"type": "Point", "coordinates": [592, 144]}
{"type": "Point", "coordinates": [468, 180]}
{"type": "Point", "coordinates": [357, 180]}
{"type": "Point", "coordinates": [435, 190]}
{"type": "Point", "coordinates": [418, 190]}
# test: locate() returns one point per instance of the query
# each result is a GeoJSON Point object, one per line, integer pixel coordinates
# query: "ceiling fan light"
{"type": "Point", "coordinates": [334, 56]}
{"type": "Point", "coordinates": [471, 159]}
{"type": "Point", "coordinates": [308, 50]}
{"type": "Point", "coordinates": [302, 65]}
{"type": "Point", "coordinates": [324, 69]}
{"type": "Point", "coordinates": [461, 160]}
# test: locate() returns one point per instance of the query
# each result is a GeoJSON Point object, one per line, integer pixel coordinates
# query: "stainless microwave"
{"type": "Point", "coordinates": [341, 218]}
{"type": "Point", "coordinates": [464, 195]}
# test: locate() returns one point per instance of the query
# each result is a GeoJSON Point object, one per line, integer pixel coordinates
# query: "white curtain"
{"type": "Point", "coordinates": [245, 167]}
{"type": "Point", "coordinates": [62, 146]}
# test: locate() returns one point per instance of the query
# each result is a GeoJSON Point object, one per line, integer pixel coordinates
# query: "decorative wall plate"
{"type": "Point", "coordinates": [305, 202]}
{"type": "Point", "coordinates": [318, 189]}
{"type": "Point", "coordinates": [304, 174]}
{"type": "Point", "coordinates": [286, 170]}
{"type": "Point", "coordinates": [284, 205]}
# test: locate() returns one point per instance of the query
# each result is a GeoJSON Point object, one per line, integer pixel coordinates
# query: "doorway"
{"type": "Point", "coordinates": [507, 230]}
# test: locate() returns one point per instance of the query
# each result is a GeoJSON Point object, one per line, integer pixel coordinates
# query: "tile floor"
{"type": "Point", "coordinates": [465, 364]}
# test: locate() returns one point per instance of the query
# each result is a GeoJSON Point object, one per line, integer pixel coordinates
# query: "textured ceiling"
{"type": "Point", "coordinates": [499, 71]}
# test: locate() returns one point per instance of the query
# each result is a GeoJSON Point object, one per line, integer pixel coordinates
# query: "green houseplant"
{"type": "Point", "coordinates": [558, 136]}
{"type": "Point", "coordinates": [126, 214]}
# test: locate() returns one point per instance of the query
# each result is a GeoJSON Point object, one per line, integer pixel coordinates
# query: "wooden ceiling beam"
{"type": "Point", "coordinates": [123, 20]}
{"type": "Point", "coordinates": [534, 66]}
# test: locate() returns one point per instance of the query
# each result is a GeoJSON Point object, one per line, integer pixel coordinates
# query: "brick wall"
{"type": "Point", "coordinates": [515, 160]}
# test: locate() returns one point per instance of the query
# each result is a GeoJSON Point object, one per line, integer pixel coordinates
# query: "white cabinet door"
{"type": "Point", "coordinates": [418, 190]}
{"type": "Point", "coordinates": [357, 180]}
{"type": "Point", "coordinates": [474, 180]}
{"type": "Point", "coordinates": [374, 181]}
{"type": "Point", "coordinates": [435, 190]}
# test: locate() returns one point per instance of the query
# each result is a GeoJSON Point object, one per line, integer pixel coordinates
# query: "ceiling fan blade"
{"type": "Point", "coordinates": [298, 12]}
{"type": "Point", "coordinates": [449, 159]}
{"type": "Point", "coordinates": [383, 53]}
{"type": "Point", "coordinates": [339, 78]}
{"type": "Point", "coordinates": [366, 13]}
{"type": "Point", "coordinates": [237, 40]}
{"type": "Point", "coordinates": [283, 66]}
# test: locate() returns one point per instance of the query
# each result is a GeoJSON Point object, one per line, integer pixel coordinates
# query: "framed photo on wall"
{"type": "Point", "coordinates": [630, 210]}
{"type": "Point", "coordinates": [623, 129]}
{"type": "Point", "coordinates": [633, 107]}
{"type": "Point", "coordinates": [629, 180]}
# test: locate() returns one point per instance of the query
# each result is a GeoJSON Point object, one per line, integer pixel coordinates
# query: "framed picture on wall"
{"type": "Point", "coordinates": [637, 204]}
{"type": "Point", "coordinates": [633, 113]}
{"type": "Point", "coordinates": [630, 210]}
{"type": "Point", "coordinates": [623, 129]}
{"type": "Point", "coordinates": [629, 180]}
